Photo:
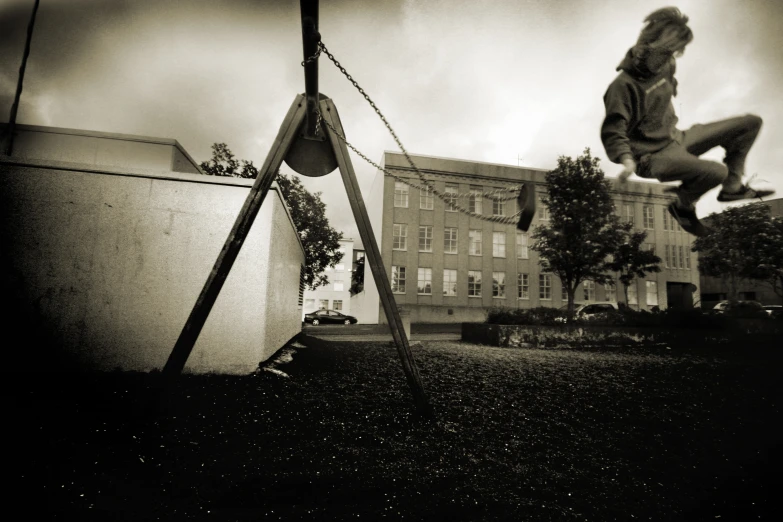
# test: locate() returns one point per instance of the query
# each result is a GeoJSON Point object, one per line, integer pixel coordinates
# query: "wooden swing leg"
{"type": "Point", "coordinates": [225, 260]}
{"type": "Point", "coordinates": [373, 253]}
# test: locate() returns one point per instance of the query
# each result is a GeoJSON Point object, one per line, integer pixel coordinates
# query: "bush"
{"type": "Point", "coordinates": [670, 318]}
{"type": "Point", "coordinates": [541, 316]}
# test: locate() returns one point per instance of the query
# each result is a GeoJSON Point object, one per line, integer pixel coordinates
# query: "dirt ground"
{"type": "Point", "coordinates": [331, 434]}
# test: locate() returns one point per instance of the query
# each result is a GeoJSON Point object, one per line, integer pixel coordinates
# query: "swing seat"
{"type": "Point", "coordinates": [311, 156]}
{"type": "Point", "coordinates": [527, 205]}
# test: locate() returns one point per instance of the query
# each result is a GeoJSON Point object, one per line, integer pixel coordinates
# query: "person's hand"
{"type": "Point", "coordinates": [629, 167]}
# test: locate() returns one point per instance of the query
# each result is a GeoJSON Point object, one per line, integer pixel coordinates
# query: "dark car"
{"type": "Point", "coordinates": [727, 306]}
{"type": "Point", "coordinates": [745, 309]}
{"type": "Point", "coordinates": [775, 311]}
{"type": "Point", "coordinates": [328, 317]}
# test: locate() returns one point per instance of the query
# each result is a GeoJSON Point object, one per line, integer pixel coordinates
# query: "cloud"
{"type": "Point", "coordinates": [477, 80]}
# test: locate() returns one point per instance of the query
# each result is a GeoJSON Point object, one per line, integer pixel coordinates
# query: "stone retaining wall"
{"type": "Point", "coordinates": [738, 330]}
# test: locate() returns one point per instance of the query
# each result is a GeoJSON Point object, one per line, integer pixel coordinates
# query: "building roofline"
{"type": "Point", "coordinates": [107, 135]}
{"type": "Point", "coordinates": [460, 160]}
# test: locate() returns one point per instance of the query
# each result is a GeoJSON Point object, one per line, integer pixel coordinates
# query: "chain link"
{"type": "Point", "coordinates": [427, 185]}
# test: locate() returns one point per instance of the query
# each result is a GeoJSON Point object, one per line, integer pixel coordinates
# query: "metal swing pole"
{"type": "Point", "coordinates": [15, 107]}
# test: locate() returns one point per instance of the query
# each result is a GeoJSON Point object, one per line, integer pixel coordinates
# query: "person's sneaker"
{"type": "Point", "coordinates": [745, 192]}
{"type": "Point", "coordinates": [687, 219]}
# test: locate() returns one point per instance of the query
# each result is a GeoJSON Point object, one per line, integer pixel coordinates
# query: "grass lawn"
{"type": "Point", "coordinates": [521, 434]}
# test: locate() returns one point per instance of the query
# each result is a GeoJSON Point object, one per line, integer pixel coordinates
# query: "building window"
{"type": "Point", "coordinates": [649, 217]}
{"type": "Point", "coordinates": [426, 198]}
{"type": "Point", "coordinates": [681, 251]}
{"type": "Point", "coordinates": [450, 240]}
{"type": "Point", "coordinates": [338, 285]}
{"type": "Point", "coordinates": [450, 197]}
{"type": "Point", "coordinates": [627, 213]}
{"type": "Point", "coordinates": [666, 254]}
{"type": "Point", "coordinates": [474, 283]}
{"type": "Point", "coordinates": [400, 234]}
{"type": "Point", "coordinates": [543, 211]}
{"type": "Point", "coordinates": [650, 247]}
{"type": "Point", "coordinates": [523, 286]}
{"type": "Point", "coordinates": [499, 284]}
{"type": "Point", "coordinates": [398, 279]}
{"type": "Point", "coordinates": [400, 194]}
{"type": "Point", "coordinates": [667, 221]}
{"type": "Point", "coordinates": [564, 293]}
{"type": "Point", "coordinates": [522, 245]}
{"type": "Point", "coordinates": [589, 290]}
{"type": "Point", "coordinates": [474, 201]}
{"type": "Point", "coordinates": [498, 207]}
{"type": "Point", "coordinates": [450, 282]}
{"type": "Point", "coordinates": [498, 244]}
{"type": "Point", "coordinates": [337, 304]}
{"type": "Point", "coordinates": [652, 293]}
{"type": "Point", "coordinates": [309, 304]}
{"type": "Point", "coordinates": [323, 304]}
{"type": "Point", "coordinates": [610, 289]}
{"type": "Point", "coordinates": [687, 259]}
{"type": "Point", "coordinates": [545, 286]}
{"type": "Point", "coordinates": [633, 299]}
{"type": "Point", "coordinates": [425, 238]}
{"type": "Point", "coordinates": [425, 281]}
{"type": "Point", "coordinates": [475, 242]}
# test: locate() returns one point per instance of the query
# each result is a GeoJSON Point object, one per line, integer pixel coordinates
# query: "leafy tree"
{"type": "Point", "coordinates": [583, 229]}
{"type": "Point", "coordinates": [745, 243]}
{"type": "Point", "coordinates": [631, 260]}
{"type": "Point", "coordinates": [357, 278]}
{"type": "Point", "coordinates": [770, 267]}
{"type": "Point", "coordinates": [320, 241]}
{"type": "Point", "coordinates": [223, 163]}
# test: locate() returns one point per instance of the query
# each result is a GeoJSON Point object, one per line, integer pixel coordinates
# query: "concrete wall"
{"type": "Point", "coordinates": [113, 259]}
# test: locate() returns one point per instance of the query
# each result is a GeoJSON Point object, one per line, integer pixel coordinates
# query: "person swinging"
{"type": "Point", "coordinates": [639, 130]}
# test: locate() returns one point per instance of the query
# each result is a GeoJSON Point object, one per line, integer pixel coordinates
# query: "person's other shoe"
{"type": "Point", "coordinates": [745, 192]}
{"type": "Point", "coordinates": [687, 219]}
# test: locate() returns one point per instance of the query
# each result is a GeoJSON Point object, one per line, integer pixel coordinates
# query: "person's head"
{"type": "Point", "coordinates": [666, 32]}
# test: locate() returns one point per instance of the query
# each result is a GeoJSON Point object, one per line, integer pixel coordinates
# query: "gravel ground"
{"type": "Point", "coordinates": [328, 433]}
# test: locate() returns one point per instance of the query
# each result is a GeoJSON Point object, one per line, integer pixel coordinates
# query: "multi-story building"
{"type": "Point", "coordinates": [336, 294]}
{"type": "Point", "coordinates": [714, 290]}
{"type": "Point", "coordinates": [447, 266]}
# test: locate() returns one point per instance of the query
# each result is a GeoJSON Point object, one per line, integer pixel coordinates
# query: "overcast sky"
{"type": "Point", "coordinates": [499, 81]}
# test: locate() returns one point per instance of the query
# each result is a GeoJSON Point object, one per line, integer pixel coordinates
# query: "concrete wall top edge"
{"type": "Point", "coordinates": [145, 173]}
{"type": "Point", "coordinates": [105, 135]}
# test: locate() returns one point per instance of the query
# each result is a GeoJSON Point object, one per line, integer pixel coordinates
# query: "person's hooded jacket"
{"type": "Point", "coordinates": [640, 117]}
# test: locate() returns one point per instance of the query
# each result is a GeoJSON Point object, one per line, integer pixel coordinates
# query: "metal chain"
{"type": "Point", "coordinates": [493, 194]}
{"type": "Point", "coordinates": [506, 220]}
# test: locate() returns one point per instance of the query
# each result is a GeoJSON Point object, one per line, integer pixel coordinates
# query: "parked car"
{"type": "Point", "coordinates": [329, 317]}
{"type": "Point", "coordinates": [775, 311]}
{"type": "Point", "coordinates": [589, 310]}
{"type": "Point", "coordinates": [746, 305]}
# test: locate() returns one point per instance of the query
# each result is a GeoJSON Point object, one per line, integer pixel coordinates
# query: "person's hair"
{"type": "Point", "coordinates": [666, 30]}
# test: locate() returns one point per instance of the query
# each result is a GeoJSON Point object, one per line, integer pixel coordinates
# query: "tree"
{"type": "Point", "coordinates": [631, 260]}
{"type": "Point", "coordinates": [583, 229]}
{"type": "Point", "coordinates": [223, 163]}
{"type": "Point", "coordinates": [319, 239]}
{"type": "Point", "coordinates": [357, 278]}
{"type": "Point", "coordinates": [745, 243]}
{"type": "Point", "coordinates": [770, 267]}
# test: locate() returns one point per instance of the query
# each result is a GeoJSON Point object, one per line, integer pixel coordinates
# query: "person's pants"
{"type": "Point", "coordinates": [680, 161]}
